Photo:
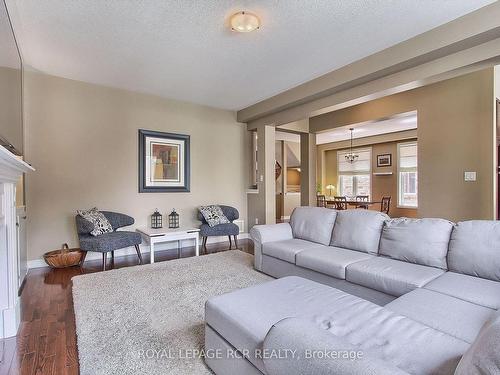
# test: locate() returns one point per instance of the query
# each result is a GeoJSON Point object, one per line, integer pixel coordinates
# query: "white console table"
{"type": "Point", "coordinates": [154, 236]}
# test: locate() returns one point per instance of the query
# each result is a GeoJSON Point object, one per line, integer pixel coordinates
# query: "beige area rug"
{"type": "Point", "coordinates": [150, 319]}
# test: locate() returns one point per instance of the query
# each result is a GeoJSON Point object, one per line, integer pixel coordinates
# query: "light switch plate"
{"type": "Point", "coordinates": [469, 176]}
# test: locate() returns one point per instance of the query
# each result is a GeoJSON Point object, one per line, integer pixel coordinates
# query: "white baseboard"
{"type": "Point", "coordinates": [39, 263]}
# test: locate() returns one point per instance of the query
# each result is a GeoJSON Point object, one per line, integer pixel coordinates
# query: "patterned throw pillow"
{"type": "Point", "coordinates": [213, 215]}
{"type": "Point", "coordinates": [97, 218]}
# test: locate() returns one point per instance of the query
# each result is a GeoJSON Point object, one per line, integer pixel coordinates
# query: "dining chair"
{"type": "Point", "coordinates": [362, 198]}
{"type": "Point", "coordinates": [385, 205]}
{"type": "Point", "coordinates": [340, 203]}
{"type": "Point", "coordinates": [321, 201]}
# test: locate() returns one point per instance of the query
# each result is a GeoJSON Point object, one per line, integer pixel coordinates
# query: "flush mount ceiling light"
{"type": "Point", "coordinates": [244, 22]}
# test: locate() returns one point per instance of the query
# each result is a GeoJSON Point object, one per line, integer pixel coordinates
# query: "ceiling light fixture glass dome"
{"type": "Point", "coordinates": [244, 22]}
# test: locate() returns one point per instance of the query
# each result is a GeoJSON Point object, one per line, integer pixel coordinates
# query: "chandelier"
{"type": "Point", "coordinates": [351, 157]}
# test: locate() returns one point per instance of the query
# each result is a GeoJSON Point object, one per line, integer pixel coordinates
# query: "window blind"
{"type": "Point", "coordinates": [408, 156]}
{"type": "Point", "coordinates": [361, 165]}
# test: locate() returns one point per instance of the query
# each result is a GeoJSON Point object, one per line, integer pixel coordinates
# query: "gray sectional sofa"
{"type": "Point", "coordinates": [411, 296]}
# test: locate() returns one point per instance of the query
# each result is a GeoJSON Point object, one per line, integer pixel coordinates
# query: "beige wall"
{"type": "Point", "coordinates": [11, 125]}
{"type": "Point", "coordinates": [291, 201]}
{"type": "Point", "coordinates": [83, 141]}
{"type": "Point", "coordinates": [456, 133]}
{"type": "Point", "coordinates": [386, 185]}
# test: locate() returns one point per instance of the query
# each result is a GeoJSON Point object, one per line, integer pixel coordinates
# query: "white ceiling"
{"type": "Point", "coordinates": [289, 137]}
{"type": "Point", "coordinates": [9, 57]}
{"type": "Point", "coordinates": [403, 122]}
{"type": "Point", "coordinates": [184, 49]}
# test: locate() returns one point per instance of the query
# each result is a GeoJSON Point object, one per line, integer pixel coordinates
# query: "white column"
{"type": "Point", "coordinates": [9, 267]}
{"type": "Point", "coordinates": [308, 169]}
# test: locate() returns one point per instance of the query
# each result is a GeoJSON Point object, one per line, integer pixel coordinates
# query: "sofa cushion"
{"type": "Point", "coordinates": [390, 276]}
{"type": "Point", "coordinates": [420, 241]}
{"type": "Point", "coordinates": [244, 317]}
{"type": "Point", "coordinates": [483, 355]}
{"type": "Point", "coordinates": [303, 335]}
{"type": "Point", "coordinates": [287, 249]}
{"type": "Point", "coordinates": [475, 249]}
{"type": "Point", "coordinates": [358, 230]}
{"type": "Point", "coordinates": [473, 289]}
{"type": "Point", "coordinates": [447, 314]}
{"type": "Point", "coordinates": [313, 224]}
{"type": "Point", "coordinates": [329, 260]}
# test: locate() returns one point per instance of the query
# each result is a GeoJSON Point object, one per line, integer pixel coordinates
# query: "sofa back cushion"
{"type": "Point", "coordinates": [313, 224]}
{"type": "Point", "coordinates": [483, 355]}
{"type": "Point", "coordinates": [358, 230]}
{"type": "Point", "coordinates": [475, 249]}
{"type": "Point", "coordinates": [420, 241]}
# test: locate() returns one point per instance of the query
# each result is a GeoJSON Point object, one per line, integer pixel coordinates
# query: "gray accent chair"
{"type": "Point", "coordinates": [228, 229]}
{"type": "Point", "coordinates": [108, 242]}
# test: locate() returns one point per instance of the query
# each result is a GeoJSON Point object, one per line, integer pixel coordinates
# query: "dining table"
{"type": "Point", "coordinates": [352, 202]}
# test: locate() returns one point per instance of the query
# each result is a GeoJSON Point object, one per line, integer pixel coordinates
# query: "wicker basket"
{"type": "Point", "coordinates": [64, 257]}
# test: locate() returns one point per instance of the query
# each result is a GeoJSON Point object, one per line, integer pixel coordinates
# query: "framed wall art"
{"type": "Point", "coordinates": [384, 160]}
{"type": "Point", "coordinates": [164, 163]}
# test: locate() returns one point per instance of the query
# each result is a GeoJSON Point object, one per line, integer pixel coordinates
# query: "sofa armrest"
{"type": "Point", "coordinates": [300, 338]}
{"type": "Point", "coordinates": [260, 234]}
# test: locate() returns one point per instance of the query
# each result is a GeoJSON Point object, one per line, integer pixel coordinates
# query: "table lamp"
{"type": "Point", "coordinates": [330, 188]}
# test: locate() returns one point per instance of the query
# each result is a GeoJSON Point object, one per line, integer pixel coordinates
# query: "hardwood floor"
{"type": "Point", "coordinates": [46, 341]}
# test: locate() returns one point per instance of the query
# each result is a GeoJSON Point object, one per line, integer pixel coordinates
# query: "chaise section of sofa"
{"type": "Point", "coordinates": [243, 320]}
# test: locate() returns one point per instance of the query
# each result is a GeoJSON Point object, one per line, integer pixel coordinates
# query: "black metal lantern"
{"type": "Point", "coordinates": [156, 220]}
{"type": "Point", "coordinates": [173, 219]}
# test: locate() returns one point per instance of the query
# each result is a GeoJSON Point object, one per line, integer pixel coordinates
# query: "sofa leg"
{"type": "Point", "coordinates": [230, 243]}
{"type": "Point", "coordinates": [138, 253]}
{"type": "Point", "coordinates": [236, 241]}
{"type": "Point", "coordinates": [104, 256]}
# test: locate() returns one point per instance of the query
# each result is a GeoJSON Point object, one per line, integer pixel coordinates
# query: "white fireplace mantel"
{"type": "Point", "coordinates": [11, 169]}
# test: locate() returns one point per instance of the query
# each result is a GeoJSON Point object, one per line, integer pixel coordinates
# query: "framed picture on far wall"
{"type": "Point", "coordinates": [384, 160]}
{"type": "Point", "coordinates": [163, 162]}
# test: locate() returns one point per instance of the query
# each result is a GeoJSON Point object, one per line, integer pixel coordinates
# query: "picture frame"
{"type": "Point", "coordinates": [384, 160]}
{"type": "Point", "coordinates": [164, 162]}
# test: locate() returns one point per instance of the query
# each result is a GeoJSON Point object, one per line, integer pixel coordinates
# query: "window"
{"type": "Point", "coordinates": [354, 178]}
{"type": "Point", "coordinates": [407, 175]}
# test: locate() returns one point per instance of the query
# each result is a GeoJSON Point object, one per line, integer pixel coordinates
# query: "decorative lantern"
{"type": "Point", "coordinates": [173, 219]}
{"type": "Point", "coordinates": [156, 220]}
